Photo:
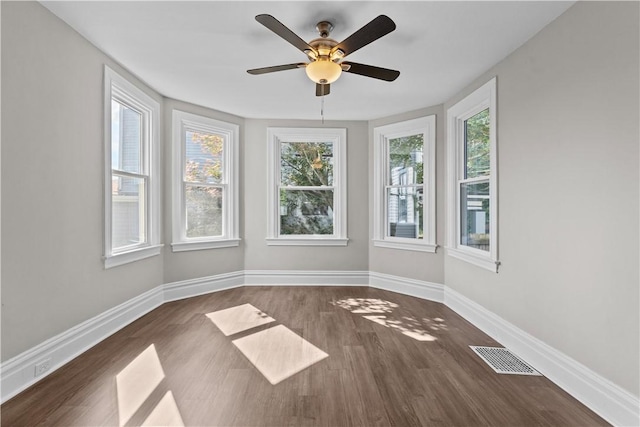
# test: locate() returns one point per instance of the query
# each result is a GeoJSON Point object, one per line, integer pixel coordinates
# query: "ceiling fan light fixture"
{"type": "Point", "coordinates": [323, 71]}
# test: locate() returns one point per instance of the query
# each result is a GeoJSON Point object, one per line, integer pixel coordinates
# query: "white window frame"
{"type": "Point", "coordinates": [381, 137]}
{"type": "Point", "coordinates": [118, 88]}
{"type": "Point", "coordinates": [336, 136]}
{"type": "Point", "coordinates": [479, 100]}
{"type": "Point", "coordinates": [183, 122]}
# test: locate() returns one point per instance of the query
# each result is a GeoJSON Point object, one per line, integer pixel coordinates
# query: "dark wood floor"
{"type": "Point", "coordinates": [374, 375]}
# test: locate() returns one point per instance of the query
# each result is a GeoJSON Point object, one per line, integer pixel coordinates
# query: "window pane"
{"type": "Point", "coordinates": [476, 148]}
{"type": "Point", "coordinates": [306, 212]}
{"type": "Point", "coordinates": [306, 163]}
{"type": "Point", "coordinates": [405, 160]}
{"type": "Point", "coordinates": [404, 212]}
{"type": "Point", "coordinates": [204, 211]}
{"type": "Point", "coordinates": [126, 138]}
{"type": "Point", "coordinates": [203, 152]}
{"type": "Point", "coordinates": [128, 215]}
{"type": "Point", "coordinates": [474, 215]}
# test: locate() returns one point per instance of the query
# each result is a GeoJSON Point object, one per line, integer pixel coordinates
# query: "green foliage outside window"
{"type": "Point", "coordinates": [403, 153]}
{"type": "Point", "coordinates": [406, 174]}
{"type": "Point", "coordinates": [477, 145]}
{"type": "Point", "coordinates": [475, 196]}
{"type": "Point", "coordinates": [204, 203]}
{"type": "Point", "coordinates": [306, 212]}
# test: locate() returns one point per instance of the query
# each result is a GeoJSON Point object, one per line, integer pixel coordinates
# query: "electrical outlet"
{"type": "Point", "coordinates": [43, 367]}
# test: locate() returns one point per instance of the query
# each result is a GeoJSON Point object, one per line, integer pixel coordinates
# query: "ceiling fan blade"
{"type": "Point", "coordinates": [275, 68]}
{"type": "Point", "coordinates": [371, 71]}
{"type": "Point", "coordinates": [280, 29]}
{"type": "Point", "coordinates": [322, 90]}
{"type": "Point", "coordinates": [378, 27]}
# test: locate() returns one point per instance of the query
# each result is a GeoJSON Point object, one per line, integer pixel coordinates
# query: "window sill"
{"type": "Point", "coordinates": [306, 241]}
{"type": "Point", "coordinates": [406, 246]}
{"type": "Point", "coordinates": [115, 260]}
{"type": "Point", "coordinates": [201, 245]}
{"type": "Point", "coordinates": [485, 262]}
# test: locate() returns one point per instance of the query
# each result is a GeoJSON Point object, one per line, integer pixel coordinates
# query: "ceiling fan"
{"type": "Point", "coordinates": [326, 55]}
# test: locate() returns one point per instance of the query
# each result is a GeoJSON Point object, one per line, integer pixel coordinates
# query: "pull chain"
{"type": "Point", "coordinates": [322, 108]}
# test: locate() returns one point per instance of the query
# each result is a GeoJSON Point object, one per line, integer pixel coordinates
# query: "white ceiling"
{"type": "Point", "coordinates": [199, 51]}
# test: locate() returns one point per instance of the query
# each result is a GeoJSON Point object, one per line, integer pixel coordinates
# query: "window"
{"type": "Point", "coordinates": [132, 186]}
{"type": "Point", "coordinates": [404, 185]}
{"type": "Point", "coordinates": [472, 178]}
{"type": "Point", "coordinates": [307, 187]}
{"type": "Point", "coordinates": [205, 197]}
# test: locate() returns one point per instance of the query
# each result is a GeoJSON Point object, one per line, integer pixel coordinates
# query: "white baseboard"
{"type": "Point", "coordinates": [18, 373]}
{"type": "Point", "coordinates": [305, 278]}
{"type": "Point", "coordinates": [203, 285]}
{"type": "Point", "coordinates": [415, 288]}
{"type": "Point", "coordinates": [612, 403]}
{"type": "Point", "coordinates": [603, 397]}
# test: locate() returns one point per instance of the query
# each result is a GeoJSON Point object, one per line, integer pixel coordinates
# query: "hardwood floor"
{"type": "Point", "coordinates": [411, 367]}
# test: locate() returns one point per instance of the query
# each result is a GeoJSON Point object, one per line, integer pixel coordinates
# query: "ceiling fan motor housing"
{"type": "Point", "coordinates": [324, 28]}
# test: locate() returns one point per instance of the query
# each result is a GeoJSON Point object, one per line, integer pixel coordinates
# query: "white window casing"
{"type": "Point", "coordinates": [126, 95]}
{"type": "Point", "coordinates": [382, 137]}
{"type": "Point", "coordinates": [337, 137]}
{"type": "Point", "coordinates": [184, 122]}
{"type": "Point", "coordinates": [478, 101]}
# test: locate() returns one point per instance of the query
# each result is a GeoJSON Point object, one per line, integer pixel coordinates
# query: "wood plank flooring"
{"type": "Point", "coordinates": [375, 374]}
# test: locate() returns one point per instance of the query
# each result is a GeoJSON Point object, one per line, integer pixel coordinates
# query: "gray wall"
{"type": "Point", "coordinates": [259, 256]}
{"type": "Point", "coordinates": [195, 264]}
{"type": "Point", "coordinates": [53, 276]}
{"type": "Point", "coordinates": [411, 264]}
{"type": "Point", "coordinates": [568, 190]}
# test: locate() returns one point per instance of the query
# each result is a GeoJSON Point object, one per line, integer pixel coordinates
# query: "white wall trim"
{"type": "Point", "coordinates": [118, 88]}
{"type": "Point", "coordinates": [480, 99]}
{"type": "Point", "coordinates": [310, 241]}
{"type": "Point", "coordinates": [382, 135]}
{"type": "Point", "coordinates": [338, 138]}
{"type": "Point", "coordinates": [305, 278]}
{"type": "Point", "coordinates": [183, 122]}
{"type": "Point", "coordinates": [614, 404]}
{"type": "Point", "coordinates": [201, 286]}
{"type": "Point", "coordinates": [608, 400]}
{"type": "Point", "coordinates": [18, 373]}
{"type": "Point", "coordinates": [415, 288]}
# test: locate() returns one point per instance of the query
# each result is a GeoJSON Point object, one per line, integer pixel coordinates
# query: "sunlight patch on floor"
{"type": "Point", "coordinates": [412, 332]}
{"type": "Point", "coordinates": [237, 319]}
{"type": "Point", "coordinates": [407, 325]}
{"type": "Point", "coordinates": [137, 381]}
{"type": "Point", "coordinates": [165, 413]}
{"type": "Point", "coordinates": [366, 305]}
{"type": "Point", "coordinates": [279, 353]}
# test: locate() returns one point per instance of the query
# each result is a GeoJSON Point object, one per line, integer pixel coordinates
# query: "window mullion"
{"type": "Point", "coordinates": [127, 174]}
{"type": "Point", "coordinates": [484, 178]}
{"type": "Point", "coordinates": [307, 187]}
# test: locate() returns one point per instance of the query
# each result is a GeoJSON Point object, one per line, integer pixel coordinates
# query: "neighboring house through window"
{"type": "Point", "coordinates": [472, 219]}
{"type": "Point", "coordinates": [205, 182]}
{"type": "Point", "coordinates": [132, 185]}
{"type": "Point", "coordinates": [404, 185]}
{"type": "Point", "coordinates": [307, 186]}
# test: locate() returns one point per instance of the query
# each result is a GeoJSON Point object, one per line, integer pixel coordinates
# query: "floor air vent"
{"type": "Point", "coordinates": [503, 361]}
